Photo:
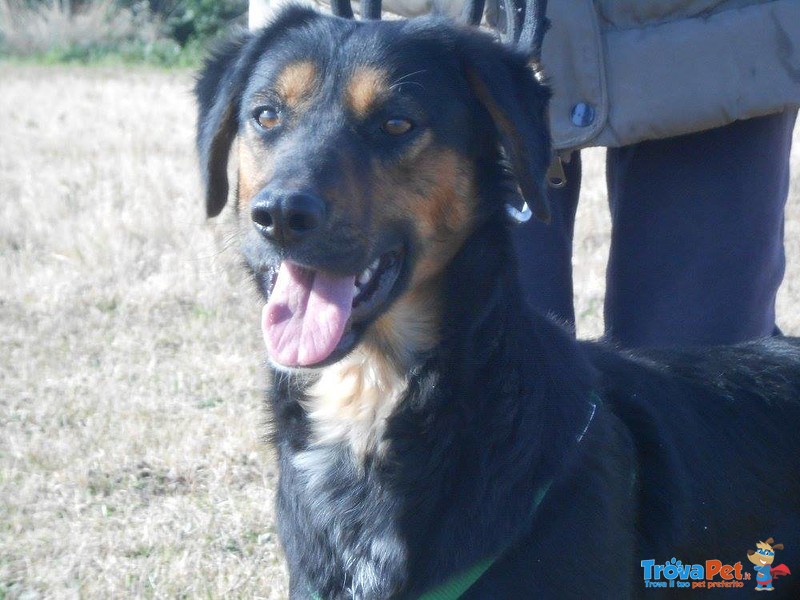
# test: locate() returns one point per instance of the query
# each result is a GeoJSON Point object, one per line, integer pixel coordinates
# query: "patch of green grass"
{"type": "Point", "coordinates": [233, 547]}
{"type": "Point", "coordinates": [162, 53]}
{"type": "Point", "coordinates": [203, 312]}
{"type": "Point", "coordinates": [108, 305]}
{"type": "Point", "coordinates": [113, 32]}
{"type": "Point", "coordinates": [209, 403]}
{"type": "Point", "coordinates": [140, 552]}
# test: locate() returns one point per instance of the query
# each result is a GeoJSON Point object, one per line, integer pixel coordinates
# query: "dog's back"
{"type": "Point", "coordinates": [717, 446]}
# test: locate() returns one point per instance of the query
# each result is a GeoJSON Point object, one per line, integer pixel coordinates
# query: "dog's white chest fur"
{"type": "Point", "coordinates": [349, 405]}
{"type": "Point", "coordinates": [352, 401]}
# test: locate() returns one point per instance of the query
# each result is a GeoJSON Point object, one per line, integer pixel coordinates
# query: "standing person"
{"type": "Point", "coordinates": [696, 102]}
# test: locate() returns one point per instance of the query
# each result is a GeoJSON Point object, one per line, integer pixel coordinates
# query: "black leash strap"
{"type": "Point", "coordinates": [524, 34]}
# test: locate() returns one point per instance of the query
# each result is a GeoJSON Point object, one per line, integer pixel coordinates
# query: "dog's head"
{"type": "Point", "coordinates": [367, 153]}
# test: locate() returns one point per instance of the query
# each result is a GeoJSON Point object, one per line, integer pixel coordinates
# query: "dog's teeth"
{"type": "Point", "coordinates": [364, 278]}
{"type": "Point", "coordinates": [368, 273]}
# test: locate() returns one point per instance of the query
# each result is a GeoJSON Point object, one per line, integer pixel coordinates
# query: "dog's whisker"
{"type": "Point", "coordinates": [400, 82]}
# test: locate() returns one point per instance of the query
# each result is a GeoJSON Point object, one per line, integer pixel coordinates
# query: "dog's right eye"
{"type": "Point", "coordinates": [397, 126]}
{"type": "Point", "coordinates": [267, 117]}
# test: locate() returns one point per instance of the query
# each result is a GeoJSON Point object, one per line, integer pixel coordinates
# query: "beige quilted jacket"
{"type": "Point", "coordinates": [623, 71]}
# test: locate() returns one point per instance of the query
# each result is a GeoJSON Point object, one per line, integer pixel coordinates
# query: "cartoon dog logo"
{"type": "Point", "coordinates": [763, 559]}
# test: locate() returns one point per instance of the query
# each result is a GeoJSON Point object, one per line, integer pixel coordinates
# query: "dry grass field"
{"type": "Point", "coordinates": [131, 454]}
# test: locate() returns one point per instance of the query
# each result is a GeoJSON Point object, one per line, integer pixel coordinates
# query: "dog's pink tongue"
{"type": "Point", "coordinates": [306, 315]}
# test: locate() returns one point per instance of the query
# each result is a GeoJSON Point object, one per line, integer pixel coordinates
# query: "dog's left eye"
{"type": "Point", "coordinates": [397, 126]}
{"type": "Point", "coordinates": [267, 117]}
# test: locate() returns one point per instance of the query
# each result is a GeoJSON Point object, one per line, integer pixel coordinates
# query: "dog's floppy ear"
{"type": "Point", "coordinates": [219, 90]}
{"type": "Point", "coordinates": [505, 85]}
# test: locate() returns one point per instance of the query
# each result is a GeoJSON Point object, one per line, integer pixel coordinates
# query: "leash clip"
{"type": "Point", "coordinates": [556, 177]}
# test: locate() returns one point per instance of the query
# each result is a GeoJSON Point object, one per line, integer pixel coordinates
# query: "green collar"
{"type": "Point", "coordinates": [454, 588]}
{"type": "Point", "coordinates": [458, 585]}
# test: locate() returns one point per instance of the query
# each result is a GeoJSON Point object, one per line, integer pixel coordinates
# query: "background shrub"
{"type": "Point", "coordinates": [190, 21]}
{"type": "Point", "coordinates": [165, 32]}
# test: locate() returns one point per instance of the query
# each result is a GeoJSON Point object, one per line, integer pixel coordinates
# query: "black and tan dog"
{"type": "Point", "coordinates": [436, 438]}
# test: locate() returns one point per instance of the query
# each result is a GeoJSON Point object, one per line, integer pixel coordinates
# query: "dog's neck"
{"type": "Point", "coordinates": [351, 401]}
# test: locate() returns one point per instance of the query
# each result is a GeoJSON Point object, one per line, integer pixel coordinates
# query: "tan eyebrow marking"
{"type": "Point", "coordinates": [296, 82]}
{"type": "Point", "coordinates": [367, 87]}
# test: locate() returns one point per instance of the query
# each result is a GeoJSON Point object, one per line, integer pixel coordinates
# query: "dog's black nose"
{"type": "Point", "coordinates": [287, 217]}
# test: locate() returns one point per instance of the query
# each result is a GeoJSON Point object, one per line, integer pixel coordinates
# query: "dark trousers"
{"type": "Point", "coordinates": [697, 237]}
